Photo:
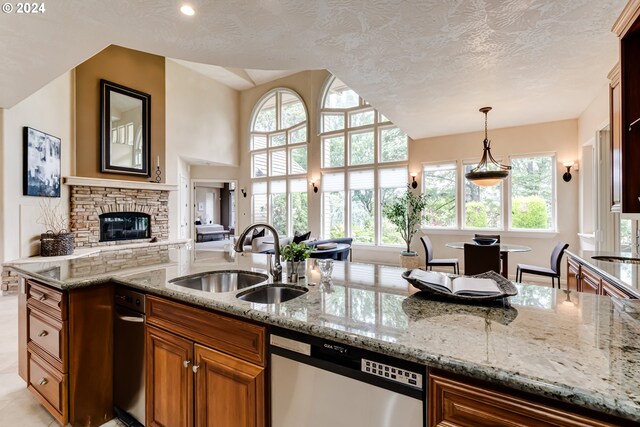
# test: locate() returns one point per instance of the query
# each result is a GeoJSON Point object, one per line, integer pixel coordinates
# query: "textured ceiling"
{"type": "Point", "coordinates": [427, 65]}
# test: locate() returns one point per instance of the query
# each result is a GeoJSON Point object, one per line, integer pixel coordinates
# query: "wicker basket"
{"type": "Point", "coordinates": [52, 244]}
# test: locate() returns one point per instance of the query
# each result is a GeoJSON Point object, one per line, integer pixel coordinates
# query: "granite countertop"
{"type": "Point", "coordinates": [574, 347]}
{"type": "Point", "coordinates": [625, 275]}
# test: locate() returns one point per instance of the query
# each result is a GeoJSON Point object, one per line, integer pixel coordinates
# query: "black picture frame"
{"type": "Point", "coordinates": [107, 164]}
{"type": "Point", "coordinates": [41, 165]}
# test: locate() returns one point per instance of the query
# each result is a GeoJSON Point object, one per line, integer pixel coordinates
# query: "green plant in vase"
{"type": "Point", "coordinates": [405, 212]}
{"type": "Point", "coordinates": [295, 255]}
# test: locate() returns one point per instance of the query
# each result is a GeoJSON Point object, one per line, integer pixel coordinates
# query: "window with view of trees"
{"type": "Point", "coordinates": [439, 182]}
{"type": "Point", "coordinates": [530, 188]}
{"type": "Point", "coordinates": [532, 192]}
{"type": "Point", "coordinates": [364, 163]}
{"type": "Point", "coordinates": [278, 145]}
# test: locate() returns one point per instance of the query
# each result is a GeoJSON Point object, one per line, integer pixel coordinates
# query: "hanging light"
{"type": "Point", "coordinates": [481, 174]}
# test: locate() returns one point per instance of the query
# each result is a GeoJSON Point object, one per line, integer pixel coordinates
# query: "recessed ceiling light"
{"type": "Point", "coordinates": [187, 10]}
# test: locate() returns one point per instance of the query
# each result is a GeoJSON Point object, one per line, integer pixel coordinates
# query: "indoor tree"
{"type": "Point", "coordinates": [405, 212]}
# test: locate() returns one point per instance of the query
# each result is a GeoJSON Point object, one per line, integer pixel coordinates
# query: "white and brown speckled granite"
{"type": "Point", "coordinates": [578, 348]}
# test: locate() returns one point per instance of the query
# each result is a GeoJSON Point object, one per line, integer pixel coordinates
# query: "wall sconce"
{"type": "Point", "coordinates": [244, 193]}
{"type": "Point", "coordinates": [414, 183]}
{"type": "Point", "coordinates": [313, 184]}
{"type": "Point", "coordinates": [567, 174]}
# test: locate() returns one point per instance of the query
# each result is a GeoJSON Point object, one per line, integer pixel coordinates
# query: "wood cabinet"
{"type": "Point", "coordinates": [616, 138]}
{"type": "Point", "coordinates": [454, 401]}
{"type": "Point", "coordinates": [625, 111]}
{"type": "Point", "coordinates": [169, 379]}
{"type": "Point", "coordinates": [203, 369]}
{"type": "Point", "coordinates": [65, 350]}
{"type": "Point", "coordinates": [581, 278]}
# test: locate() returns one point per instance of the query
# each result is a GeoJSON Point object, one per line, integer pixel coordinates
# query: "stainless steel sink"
{"type": "Point", "coordinates": [610, 258]}
{"type": "Point", "coordinates": [273, 293]}
{"type": "Point", "coordinates": [221, 281]}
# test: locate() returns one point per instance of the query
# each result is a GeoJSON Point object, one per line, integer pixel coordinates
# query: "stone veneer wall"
{"type": "Point", "coordinates": [88, 202]}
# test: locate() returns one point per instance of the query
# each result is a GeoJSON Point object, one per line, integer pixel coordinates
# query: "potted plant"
{"type": "Point", "coordinates": [57, 240]}
{"type": "Point", "coordinates": [405, 212]}
{"type": "Point", "coordinates": [295, 255]}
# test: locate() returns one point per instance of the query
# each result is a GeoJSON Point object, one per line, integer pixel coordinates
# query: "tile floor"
{"type": "Point", "coordinates": [17, 406]}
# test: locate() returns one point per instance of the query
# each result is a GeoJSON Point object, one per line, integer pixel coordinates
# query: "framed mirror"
{"type": "Point", "coordinates": [125, 130]}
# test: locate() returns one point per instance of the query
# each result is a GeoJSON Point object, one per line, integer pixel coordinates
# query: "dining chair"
{"type": "Point", "coordinates": [437, 262]}
{"type": "Point", "coordinates": [480, 259]}
{"type": "Point", "coordinates": [490, 236]}
{"type": "Point", "coordinates": [552, 271]}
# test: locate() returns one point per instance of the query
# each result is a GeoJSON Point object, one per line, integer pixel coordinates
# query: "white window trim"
{"type": "Point", "coordinates": [456, 226]}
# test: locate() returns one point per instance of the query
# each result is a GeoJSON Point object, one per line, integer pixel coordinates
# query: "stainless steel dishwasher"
{"type": "Point", "coordinates": [319, 383]}
{"type": "Point", "coordinates": [128, 357]}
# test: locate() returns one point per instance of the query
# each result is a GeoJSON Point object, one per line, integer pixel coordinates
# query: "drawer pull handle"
{"type": "Point", "coordinates": [43, 334]}
{"type": "Point", "coordinates": [195, 368]}
{"type": "Point", "coordinates": [42, 297]}
{"type": "Point", "coordinates": [186, 363]}
{"type": "Point", "coordinates": [43, 381]}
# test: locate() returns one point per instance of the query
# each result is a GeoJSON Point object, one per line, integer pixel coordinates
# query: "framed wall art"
{"type": "Point", "coordinates": [41, 164]}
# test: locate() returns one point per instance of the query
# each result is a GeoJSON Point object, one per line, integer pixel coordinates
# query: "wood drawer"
{"type": "Point", "coordinates": [238, 338]}
{"type": "Point", "coordinates": [49, 386]}
{"type": "Point", "coordinates": [49, 300]}
{"type": "Point", "coordinates": [456, 403]}
{"type": "Point", "coordinates": [49, 335]}
{"type": "Point", "coordinates": [590, 281]}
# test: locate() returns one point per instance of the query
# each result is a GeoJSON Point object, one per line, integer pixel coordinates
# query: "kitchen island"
{"type": "Point", "coordinates": [604, 273]}
{"type": "Point", "coordinates": [574, 348]}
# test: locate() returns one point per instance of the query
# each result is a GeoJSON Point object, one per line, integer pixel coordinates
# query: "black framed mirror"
{"type": "Point", "coordinates": [125, 130]}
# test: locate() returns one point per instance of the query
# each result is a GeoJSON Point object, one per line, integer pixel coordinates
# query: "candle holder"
{"type": "Point", "coordinates": [158, 177]}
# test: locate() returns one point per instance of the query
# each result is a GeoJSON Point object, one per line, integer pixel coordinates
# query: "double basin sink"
{"type": "Point", "coordinates": [235, 280]}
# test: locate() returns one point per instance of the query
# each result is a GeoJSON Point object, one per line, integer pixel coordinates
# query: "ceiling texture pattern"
{"type": "Point", "coordinates": [427, 65]}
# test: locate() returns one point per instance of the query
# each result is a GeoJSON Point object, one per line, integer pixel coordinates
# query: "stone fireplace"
{"type": "Point", "coordinates": [111, 212]}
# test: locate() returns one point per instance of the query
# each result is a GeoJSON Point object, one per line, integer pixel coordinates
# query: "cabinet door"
{"type": "Point", "coordinates": [169, 379]}
{"type": "Point", "coordinates": [573, 273]}
{"type": "Point", "coordinates": [589, 282]}
{"type": "Point", "coordinates": [229, 391]}
{"type": "Point", "coordinates": [611, 290]}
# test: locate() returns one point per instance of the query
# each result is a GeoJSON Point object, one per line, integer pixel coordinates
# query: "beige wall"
{"type": "Point", "coordinates": [202, 125]}
{"type": "Point", "coordinates": [308, 84]}
{"type": "Point", "coordinates": [50, 110]}
{"type": "Point", "coordinates": [131, 68]}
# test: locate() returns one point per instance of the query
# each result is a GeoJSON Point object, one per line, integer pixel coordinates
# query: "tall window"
{"type": "Point", "coordinates": [364, 163]}
{"type": "Point", "coordinates": [278, 144]}
{"type": "Point", "coordinates": [532, 187]}
{"type": "Point", "coordinates": [440, 187]}
{"type": "Point", "coordinates": [482, 205]}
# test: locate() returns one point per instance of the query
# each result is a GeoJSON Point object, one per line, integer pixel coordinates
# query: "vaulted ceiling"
{"type": "Point", "coordinates": [428, 65]}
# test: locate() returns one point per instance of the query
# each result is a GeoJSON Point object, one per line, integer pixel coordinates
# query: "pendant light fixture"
{"type": "Point", "coordinates": [481, 174]}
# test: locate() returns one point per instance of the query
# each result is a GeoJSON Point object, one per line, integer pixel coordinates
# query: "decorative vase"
{"type": "Point", "coordinates": [409, 260]}
{"type": "Point", "coordinates": [298, 267]}
{"type": "Point", "coordinates": [56, 244]}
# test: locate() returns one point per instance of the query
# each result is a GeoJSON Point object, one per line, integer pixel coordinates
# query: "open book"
{"type": "Point", "coordinates": [465, 286]}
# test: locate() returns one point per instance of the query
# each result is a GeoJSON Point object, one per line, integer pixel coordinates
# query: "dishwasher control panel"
{"type": "Point", "coordinates": [392, 373]}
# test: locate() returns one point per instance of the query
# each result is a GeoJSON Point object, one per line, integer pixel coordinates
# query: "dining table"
{"type": "Point", "coordinates": [505, 249]}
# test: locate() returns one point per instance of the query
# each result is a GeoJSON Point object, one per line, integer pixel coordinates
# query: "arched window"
{"type": "Point", "coordinates": [364, 162]}
{"type": "Point", "coordinates": [278, 145]}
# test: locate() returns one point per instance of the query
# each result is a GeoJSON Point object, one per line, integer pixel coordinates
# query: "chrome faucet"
{"type": "Point", "coordinates": [276, 268]}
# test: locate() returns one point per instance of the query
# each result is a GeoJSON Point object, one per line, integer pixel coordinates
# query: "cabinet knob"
{"type": "Point", "coordinates": [195, 368]}
{"type": "Point", "coordinates": [43, 334]}
{"type": "Point", "coordinates": [42, 297]}
{"type": "Point", "coordinates": [43, 381]}
{"type": "Point", "coordinates": [186, 363]}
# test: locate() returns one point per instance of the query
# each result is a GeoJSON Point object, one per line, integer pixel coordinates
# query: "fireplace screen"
{"type": "Point", "coordinates": [124, 226]}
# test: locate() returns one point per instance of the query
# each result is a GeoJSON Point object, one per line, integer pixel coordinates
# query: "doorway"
{"type": "Point", "coordinates": [213, 215]}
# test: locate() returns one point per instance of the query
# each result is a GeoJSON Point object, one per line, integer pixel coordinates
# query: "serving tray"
{"type": "Point", "coordinates": [506, 286]}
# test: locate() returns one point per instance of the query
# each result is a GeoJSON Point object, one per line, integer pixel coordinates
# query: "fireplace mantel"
{"type": "Point", "coordinates": [78, 181]}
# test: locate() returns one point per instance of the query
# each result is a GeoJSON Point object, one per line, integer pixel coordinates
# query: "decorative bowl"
{"type": "Point", "coordinates": [485, 241]}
